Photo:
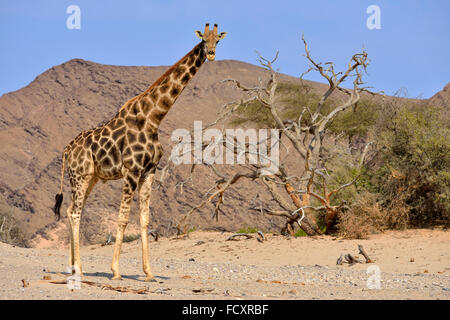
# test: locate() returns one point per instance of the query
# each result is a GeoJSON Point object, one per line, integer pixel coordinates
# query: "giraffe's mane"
{"type": "Point", "coordinates": [161, 78]}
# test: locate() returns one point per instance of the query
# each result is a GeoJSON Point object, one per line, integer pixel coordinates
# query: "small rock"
{"type": "Point", "coordinates": [293, 291]}
{"type": "Point", "coordinates": [411, 260]}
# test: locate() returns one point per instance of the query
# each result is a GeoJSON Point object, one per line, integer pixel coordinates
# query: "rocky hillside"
{"type": "Point", "coordinates": [442, 98]}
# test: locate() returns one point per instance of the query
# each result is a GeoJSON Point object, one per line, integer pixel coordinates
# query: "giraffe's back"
{"type": "Point", "coordinates": [107, 150]}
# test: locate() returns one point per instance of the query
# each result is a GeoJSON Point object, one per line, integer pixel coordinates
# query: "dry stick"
{"type": "Point", "coordinates": [108, 241]}
{"type": "Point", "coordinates": [340, 260]}
{"type": "Point", "coordinates": [25, 283]}
{"type": "Point", "coordinates": [366, 256]}
{"type": "Point", "coordinates": [261, 234]}
{"type": "Point", "coordinates": [351, 259]}
{"type": "Point", "coordinates": [219, 202]}
{"type": "Point", "coordinates": [288, 229]}
{"type": "Point", "coordinates": [154, 234]}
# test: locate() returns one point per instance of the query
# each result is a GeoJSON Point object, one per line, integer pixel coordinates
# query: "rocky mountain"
{"type": "Point", "coordinates": [442, 98]}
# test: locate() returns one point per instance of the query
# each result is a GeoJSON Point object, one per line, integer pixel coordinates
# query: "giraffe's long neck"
{"type": "Point", "coordinates": [164, 92]}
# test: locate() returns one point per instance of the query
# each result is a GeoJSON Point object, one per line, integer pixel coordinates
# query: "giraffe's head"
{"type": "Point", "coordinates": [210, 38]}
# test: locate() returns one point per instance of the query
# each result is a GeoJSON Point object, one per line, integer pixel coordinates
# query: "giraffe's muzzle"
{"type": "Point", "coordinates": [211, 55]}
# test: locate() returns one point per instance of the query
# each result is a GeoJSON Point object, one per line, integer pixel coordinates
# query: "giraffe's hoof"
{"type": "Point", "coordinates": [150, 278]}
{"type": "Point", "coordinates": [117, 277]}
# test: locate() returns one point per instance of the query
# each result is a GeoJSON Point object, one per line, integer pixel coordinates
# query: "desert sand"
{"type": "Point", "coordinates": [413, 264]}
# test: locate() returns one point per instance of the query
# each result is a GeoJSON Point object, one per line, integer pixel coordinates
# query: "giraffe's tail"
{"type": "Point", "coordinates": [59, 196]}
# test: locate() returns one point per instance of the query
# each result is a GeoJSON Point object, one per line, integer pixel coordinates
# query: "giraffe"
{"type": "Point", "coordinates": [127, 147]}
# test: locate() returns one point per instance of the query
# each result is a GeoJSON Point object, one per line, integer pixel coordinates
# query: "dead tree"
{"type": "Point", "coordinates": [291, 189]}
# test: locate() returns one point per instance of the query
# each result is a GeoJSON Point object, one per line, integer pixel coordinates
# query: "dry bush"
{"type": "Point", "coordinates": [397, 213]}
{"type": "Point", "coordinates": [9, 232]}
{"type": "Point", "coordinates": [363, 218]}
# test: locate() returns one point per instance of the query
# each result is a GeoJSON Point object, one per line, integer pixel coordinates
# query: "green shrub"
{"type": "Point", "coordinates": [127, 238]}
{"type": "Point", "coordinates": [300, 233]}
{"type": "Point", "coordinates": [415, 156]}
{"type": "Point", "coordinates": [357, 122]}
{"type": "Point", "coordinates": [248, 230]}
{"type": "Point", "coordinates": [291, 98]}
{"type": "Point", "coordinates": [253, 112]}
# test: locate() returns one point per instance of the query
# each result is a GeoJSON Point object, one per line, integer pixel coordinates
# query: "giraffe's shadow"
{"type": "Point", "coordinates": [110, 275]}
{"type": "Point", "coordinates": [136, 277]}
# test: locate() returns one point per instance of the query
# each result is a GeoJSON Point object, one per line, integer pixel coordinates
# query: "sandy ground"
{"type": "Point", "coordinates": [413, 264]}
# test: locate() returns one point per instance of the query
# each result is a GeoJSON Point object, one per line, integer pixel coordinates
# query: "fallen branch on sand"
{"type": "Point", "coordinates": [102, 286]}
{"type": "Point", "coordinates": [366, 256]}
{"type": "Point", "coordinates": [119, 289]}
{"type": "Point", "coordinates": [234, 236]}
{"type": "Point", "coordinates": [260, 238]}
{"type": "Point", "coordinates": [351, 260]}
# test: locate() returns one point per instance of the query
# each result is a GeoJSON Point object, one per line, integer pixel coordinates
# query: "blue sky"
{"type": "Point", "coordinates": [411, 50]}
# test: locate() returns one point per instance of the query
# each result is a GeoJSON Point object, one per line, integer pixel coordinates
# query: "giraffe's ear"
{"type": "Point", "coordinates": [222, 35]}
{"type": "Point", "coordinates": [199, 34]}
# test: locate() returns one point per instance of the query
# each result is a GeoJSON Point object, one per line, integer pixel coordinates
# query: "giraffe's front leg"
{"type": "Point", "coordinates": [129, 186]}
{"type": "Point", "coordinates": [144, 203]}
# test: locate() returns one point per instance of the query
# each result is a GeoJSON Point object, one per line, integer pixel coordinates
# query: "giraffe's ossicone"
{"type": "Point", "coordinates": [127, 147]}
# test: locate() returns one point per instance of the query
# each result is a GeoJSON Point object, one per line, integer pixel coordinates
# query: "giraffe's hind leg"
{"type": "Point", "coordinates": [80, 192]}
{"type": "Point", "coordinates": [145, 188]}
{"type": "Point", "coordinates": [128, 189]}
{"type": "Point", "coordinates": [69, 214]}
